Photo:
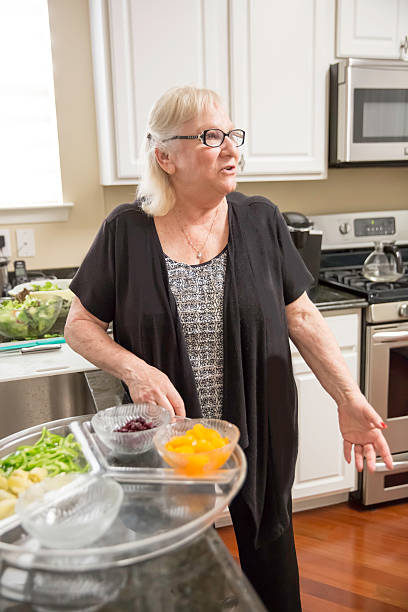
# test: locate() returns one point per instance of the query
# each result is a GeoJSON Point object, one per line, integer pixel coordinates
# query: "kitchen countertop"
{"type": "Point", "coordinates": [65, 360]}
{"type": "Point", "coordinates": [106, 390]}
{"type": "Point", "coordinates": [17, 366]}
{"type": "Point", "coordinates": [328, 298]}
{"type": "Point", "coordinates": [201, 576]}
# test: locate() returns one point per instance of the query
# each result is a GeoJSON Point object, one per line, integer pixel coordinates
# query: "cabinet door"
{"type": "Point", "coordinates": [321, 467]}
{"type": "Point", "coordinates": [372, 28]}
{"type": "Point", "coordinates": [280, 54]}
{"type": "Point", "coordinates": [140, 49]}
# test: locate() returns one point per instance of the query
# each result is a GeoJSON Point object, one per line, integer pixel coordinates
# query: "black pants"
{"type": "Point", "coordinates": [272, 569]}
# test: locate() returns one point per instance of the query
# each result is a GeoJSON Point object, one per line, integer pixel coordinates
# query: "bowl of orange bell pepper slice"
{"type": "Point", "coordinates": [197, 447]}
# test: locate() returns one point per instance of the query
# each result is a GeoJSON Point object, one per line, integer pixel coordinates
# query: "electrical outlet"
{"type": "Point", "coordinates": [25, 242]}
{"type": "Point", "coordinates": [6, 251]}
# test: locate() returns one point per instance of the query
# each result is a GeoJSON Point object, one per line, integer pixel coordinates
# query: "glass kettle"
{"type": "Point", "coordinates": [384, 264]}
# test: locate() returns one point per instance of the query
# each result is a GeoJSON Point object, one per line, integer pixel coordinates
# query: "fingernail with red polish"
{"type": "Point", "coordinates": [383, 425]}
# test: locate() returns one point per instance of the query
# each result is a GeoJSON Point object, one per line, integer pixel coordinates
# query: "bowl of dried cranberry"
{"type": "Point", "coordinates": [129, 429]}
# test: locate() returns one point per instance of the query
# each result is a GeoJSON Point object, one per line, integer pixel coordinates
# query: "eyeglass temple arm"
{"type": "Point", "coordinates": [182, 138]}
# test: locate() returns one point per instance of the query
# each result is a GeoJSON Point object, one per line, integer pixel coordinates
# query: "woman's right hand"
{"type": "Point", "coordinates": [87, 335]}
{"type": "Point", "coordinates": [148, 384]}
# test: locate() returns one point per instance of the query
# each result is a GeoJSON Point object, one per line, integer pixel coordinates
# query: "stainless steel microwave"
{"type": "Point", "coordinates": [368, 118]}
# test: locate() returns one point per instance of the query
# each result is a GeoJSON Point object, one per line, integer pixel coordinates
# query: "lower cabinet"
{"type": "Point", "coordinates": [321, 469]}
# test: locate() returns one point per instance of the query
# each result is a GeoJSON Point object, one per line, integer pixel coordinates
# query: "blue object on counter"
{"type": "Point", "coordinates": [13, 347]}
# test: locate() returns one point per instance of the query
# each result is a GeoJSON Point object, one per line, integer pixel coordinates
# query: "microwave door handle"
{"type": "Point", "coordinates": [390, 336]}
{"type": "Point", "coordinates": [399, 466]}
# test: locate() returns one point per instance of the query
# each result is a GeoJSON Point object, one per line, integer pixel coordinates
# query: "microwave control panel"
{"type": "Point", "coordinates": [375, 226]}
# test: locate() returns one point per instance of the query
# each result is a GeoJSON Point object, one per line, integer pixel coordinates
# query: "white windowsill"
{"type": "Point", "coordinates": [41, 213]}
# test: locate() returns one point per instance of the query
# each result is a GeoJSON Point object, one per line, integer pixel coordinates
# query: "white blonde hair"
{"type": "Point", "coordinates": [176, 106]}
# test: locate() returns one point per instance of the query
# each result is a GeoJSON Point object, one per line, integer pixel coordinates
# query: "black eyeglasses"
{"type": "Point", "coordinates": [215, 137]}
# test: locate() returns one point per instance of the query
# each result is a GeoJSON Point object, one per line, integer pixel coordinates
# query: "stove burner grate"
{"type": "Point", "coordinates": [353, 280]}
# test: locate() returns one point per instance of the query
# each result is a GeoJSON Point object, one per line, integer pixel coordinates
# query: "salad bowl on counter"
{"type": "Point", "coordinates": [58, 287]}
{"type": "Point", "coordinates": [30, 318]}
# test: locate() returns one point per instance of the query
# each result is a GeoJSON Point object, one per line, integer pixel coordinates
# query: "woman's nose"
{"type": "Point", "coordinates": [229, 146]}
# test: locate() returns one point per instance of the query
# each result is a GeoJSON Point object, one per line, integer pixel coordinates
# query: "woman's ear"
{"type": "Point", "coordinates": [164, 160]}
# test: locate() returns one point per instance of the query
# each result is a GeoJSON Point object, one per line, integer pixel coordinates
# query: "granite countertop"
{"type": "Point", "coordinates": [106, 390]}
{"type": "Point", "coordinates": [200, 576]}
{"type": "Point", "coordinates": [329, 298]}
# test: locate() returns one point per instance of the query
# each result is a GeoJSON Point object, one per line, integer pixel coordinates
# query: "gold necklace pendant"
{"type": "Point", "coordinates": [198, 252]}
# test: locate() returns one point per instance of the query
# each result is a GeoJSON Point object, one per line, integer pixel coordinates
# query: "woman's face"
{"type": "Point", "coordinates": [199, 169]}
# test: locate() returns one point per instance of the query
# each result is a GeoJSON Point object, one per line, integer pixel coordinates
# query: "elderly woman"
{"type": "Point", "coordinates": [205, 287]}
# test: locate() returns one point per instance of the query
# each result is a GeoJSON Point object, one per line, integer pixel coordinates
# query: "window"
{"type": "Point", "coordinates": [29, 155]}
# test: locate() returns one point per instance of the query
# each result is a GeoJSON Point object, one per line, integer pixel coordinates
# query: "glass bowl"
{"type": "Point", "coordinates": [58, 287]}
{"type": "Point", "coordinates": [129, 443]}
{"type": "Point", "coordinates": [31, 318]}
{"type": "Point", "coordinates": [198, 463]}
{"type": "Point", "coordinates": [69, 511]}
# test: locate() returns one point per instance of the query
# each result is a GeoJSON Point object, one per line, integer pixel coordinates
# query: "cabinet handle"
{"type": "Point", "coordinates": [404, 48]}
{"type": "Point", "coordinates": [241, 163]}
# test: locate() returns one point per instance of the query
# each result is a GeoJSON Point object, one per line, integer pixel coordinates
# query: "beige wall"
{"type": "Point", "coordinates": [64, 244]}
{"type": "Point", "coordinates": [345, 190]}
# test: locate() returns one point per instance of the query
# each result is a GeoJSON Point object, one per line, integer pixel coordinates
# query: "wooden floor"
{"type": "Point", "coordinates": [349, 559]}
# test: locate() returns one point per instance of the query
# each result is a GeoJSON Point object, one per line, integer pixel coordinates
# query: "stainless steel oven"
{"type": "Point", "coordinates": [384, 359]}
{"type": "Point", "coordinates": [386, 388]}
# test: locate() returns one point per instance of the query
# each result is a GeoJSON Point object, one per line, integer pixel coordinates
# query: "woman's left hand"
{"type": "Point", "coordinates": [361, 425]}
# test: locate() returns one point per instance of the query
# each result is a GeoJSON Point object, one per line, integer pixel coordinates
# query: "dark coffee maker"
{"type": "Point", "coordinates": [307, 241]}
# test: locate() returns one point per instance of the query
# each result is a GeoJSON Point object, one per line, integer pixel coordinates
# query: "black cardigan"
{"type": "Point", "coordinates": [123, 279]}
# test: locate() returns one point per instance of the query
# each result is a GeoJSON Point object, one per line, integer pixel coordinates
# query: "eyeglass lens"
{"type": "Point", "coordinates": [214, 138]}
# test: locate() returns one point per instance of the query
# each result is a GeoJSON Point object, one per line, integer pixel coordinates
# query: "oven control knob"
{"type": "Point", "coordinates": [344, 228]}
{"type": "Point", "coordinates": [403, 311]}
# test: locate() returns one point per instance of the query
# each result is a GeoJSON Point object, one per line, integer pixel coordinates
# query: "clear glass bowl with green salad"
{"type": "Point", "coordinates": [28, 319]}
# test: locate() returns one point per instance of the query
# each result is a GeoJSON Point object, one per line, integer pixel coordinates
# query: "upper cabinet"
{"type": "Point", "coordinates": [372, 29]}
{"type": "Point", "coordinates": [270, 69]}
{"type": "Point", "coordinates": [280, 54]}
{"type": "Point", "coordinates": [140, 49]}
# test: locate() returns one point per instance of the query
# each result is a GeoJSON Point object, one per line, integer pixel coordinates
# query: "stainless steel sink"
{"type": "Point", "coordinates": [24, 403]}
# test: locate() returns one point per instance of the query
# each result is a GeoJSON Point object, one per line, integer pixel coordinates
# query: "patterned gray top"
{"type": "Point", "coordinates": [199, 294]}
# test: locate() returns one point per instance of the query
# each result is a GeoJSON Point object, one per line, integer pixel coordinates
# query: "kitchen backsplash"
{"type": "Point", "coordinates": [49, 272]}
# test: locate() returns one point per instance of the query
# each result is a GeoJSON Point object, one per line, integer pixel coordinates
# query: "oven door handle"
{"type": "Point", "coordinates": [397, 466]}
{"type": "Point", "coordinates": [390, 336]}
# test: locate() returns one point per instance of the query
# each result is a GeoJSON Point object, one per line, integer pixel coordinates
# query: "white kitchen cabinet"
{"type": "Point", "coordinates": [321, 468]}
{"type": "Point", "coordinates": [372, 29]}
{"type": "Point", "coordinates": [140, 49]}
{"type": "Point", "coordinates": [270, 69]}
{"type": "Point", "coordinates": [279, 67]}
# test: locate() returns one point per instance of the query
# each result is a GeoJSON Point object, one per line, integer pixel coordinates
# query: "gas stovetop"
{"type": "Point", "coordinates": [352, 279]}
{"type": "Point", "coordinates": [348, 239]}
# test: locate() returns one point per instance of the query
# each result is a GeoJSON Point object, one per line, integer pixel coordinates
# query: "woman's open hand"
{"type": "Point", "coordinates": [362, 426]}
{"type": "Point", "coordinates": [148, 384]}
